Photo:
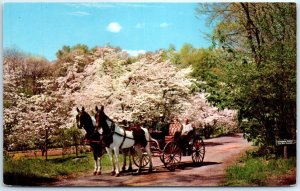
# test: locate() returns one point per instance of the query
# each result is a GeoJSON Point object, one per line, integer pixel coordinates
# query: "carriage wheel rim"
{"type": "Point", "coordinates": [145, 160]}
{"type": "Point", "coordinates": [171, 156]}
{"type": "Point", "coordinates": [198, 151]}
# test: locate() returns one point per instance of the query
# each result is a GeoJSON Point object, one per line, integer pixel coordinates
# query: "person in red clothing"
{"type": "Point", "coordinates": [175, 127]}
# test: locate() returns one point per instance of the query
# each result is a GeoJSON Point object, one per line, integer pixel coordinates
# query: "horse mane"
{"type": "Point", "coordinates": [89, 122]}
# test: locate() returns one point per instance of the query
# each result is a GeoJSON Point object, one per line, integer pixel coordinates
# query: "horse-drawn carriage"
{"type": "Point", "coordinates": [171, 150]}
{"type": "Point", "coordinates": [115, 139]}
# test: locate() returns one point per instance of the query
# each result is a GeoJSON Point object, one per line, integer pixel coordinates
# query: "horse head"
{"type": "Point", "coordinates": [84, 120]}
{"type": "Point", "coordinates": [102, 121]}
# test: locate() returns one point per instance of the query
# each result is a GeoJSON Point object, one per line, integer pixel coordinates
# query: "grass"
{"type": "Point", "coordinates": [255, 171]}
{"type": "Point", "coordinates": [34, 171]}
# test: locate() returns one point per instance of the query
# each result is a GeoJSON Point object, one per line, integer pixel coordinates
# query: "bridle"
{"type": "Point", "coordinates": [79, 124]}
{"type": "Point", "coordinates": [111, 126]}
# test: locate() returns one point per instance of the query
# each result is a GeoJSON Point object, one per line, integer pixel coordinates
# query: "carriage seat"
{"type": "Point", "coordinates": [168, 138]}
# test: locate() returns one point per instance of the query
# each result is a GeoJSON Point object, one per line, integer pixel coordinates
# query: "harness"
{"type": "Point", "coordinates": [124, 137]}
{"type": "Point", "coordinates": [90, 140]}
{"type": "Point", "coordinates": [112, 132]}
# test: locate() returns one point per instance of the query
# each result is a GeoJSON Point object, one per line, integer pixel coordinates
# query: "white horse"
{"type": "Point", "coordinates": [116, 138]}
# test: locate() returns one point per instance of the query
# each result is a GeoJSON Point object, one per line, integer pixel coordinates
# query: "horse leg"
{"type": "Point", "coordinates": [110, 154]}
{"type": "Point", "coordinates": [124, 161]}
{"type": "Point", "coordinates": [130, 159]}
{"type": "Point", "coordinates": [99, 154]}
{"type": "Point", "coordinates": [99, 166]}
{"type": "Point", "coordinates": [95, 159]}
{"type": "Point", "coordinates": [140, 155]}
{"type": "Point", "coordinates": [147, 148]}
{"type": "Point", "coordinates": [116, 149]}
{"type": "Point", "coordinates": [95, 167]}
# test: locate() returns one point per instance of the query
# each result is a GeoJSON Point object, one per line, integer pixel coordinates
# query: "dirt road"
{"type": "Point", "coordinates": [220, 152]}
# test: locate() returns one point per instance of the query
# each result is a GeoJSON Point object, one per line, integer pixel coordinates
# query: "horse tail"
{"type": "Point", "coordinates": [151, 139]}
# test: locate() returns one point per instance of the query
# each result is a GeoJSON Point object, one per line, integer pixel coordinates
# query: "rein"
{"type": "Point", "coordinates": [89, 141]}
{"type": "Point", "coordinates": [123, 139]}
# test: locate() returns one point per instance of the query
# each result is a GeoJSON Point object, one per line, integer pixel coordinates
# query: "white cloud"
{"type": "Point", "coordinates": [79, 13]}
{"type": "Point", "coordinates": [135, 52]}
{"type": "Point", "coordinates": [104, 5]}
{"type": "Point", "coordinates": [92, 5]}
{"type": "Point", "coordinates": [164, 25]}
{"type": "Point", "coordinates": [114, 27]}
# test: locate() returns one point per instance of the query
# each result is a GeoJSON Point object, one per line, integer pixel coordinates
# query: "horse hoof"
{"type": "Point", "coordinates": [123, 169]}
{"type": "Point", "coordinates": [98, 173]}
{"type": "Point", "coordinates": [112, 173]}
{"type": "Point", "coordinates": [117, 175]}
{"type": "Point", "coordinates": [95, 173]}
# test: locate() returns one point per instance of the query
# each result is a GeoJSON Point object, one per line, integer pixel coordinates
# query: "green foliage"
{"type": "Point", "coordinates": [70, 55]}
{"type": "Point", "coordinates": [65, 138]}
{"type": "Point", "coordinates": [170, 53]}
{"type": "Point", "coordinates": [254, 171]}
{"type": "Point", "coordinates": [258, 66]}
{"type": "Point", "coordinates": [35, 171]}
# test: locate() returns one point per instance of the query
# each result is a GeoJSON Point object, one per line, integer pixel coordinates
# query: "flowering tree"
{"type": "Point", "coordinates": [30, 120]}
{"type": "Point", "coordinates": [133, 89]}
{"type": "Point", "coordinates": [144, 88]}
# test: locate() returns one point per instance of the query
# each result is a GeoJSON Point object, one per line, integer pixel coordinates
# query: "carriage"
{"type": "Point", "coordinates": [116, 138]}
{"type": "Point", "coordinates": [169, 150]}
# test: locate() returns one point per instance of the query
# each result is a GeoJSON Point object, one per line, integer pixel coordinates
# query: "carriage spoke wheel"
{"type": "Point", "coordinates": [198, 151]}
{"type": "Point", "coordinates": [145, 159]}
{"type": "Point", "coordinates": [171, 156]}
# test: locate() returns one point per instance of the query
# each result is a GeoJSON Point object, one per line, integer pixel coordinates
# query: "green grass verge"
{"type": "Point", "coordinates": [254, 171]}
{"type": "Point", "coordinates": [34, 171]}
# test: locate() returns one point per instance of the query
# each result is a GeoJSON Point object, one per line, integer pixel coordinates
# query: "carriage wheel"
{"type": "Point", "coordinates": [198, 150]}
{"type": "Point", "coordinates": [145, 159]}
{"type": "Point", "coordinates": [171, 155]}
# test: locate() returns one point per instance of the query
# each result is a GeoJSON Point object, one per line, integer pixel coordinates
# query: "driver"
{"type": "Point", "coordinates": [186, 133]}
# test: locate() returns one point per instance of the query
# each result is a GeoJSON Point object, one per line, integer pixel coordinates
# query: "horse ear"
{"type": "Point", "coordinates": [77, 110]}
{"type": "Point", "coordinates": [82, 108]}
{"type": "Point", "coordinates": [96, 109]}
{"type": "Point", "coordinates": [102, 108]}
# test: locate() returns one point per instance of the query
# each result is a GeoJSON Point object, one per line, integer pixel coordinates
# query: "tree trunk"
{"type": "Point", "coordinates": [76, 145]}
{"type": "Point", "coordinates": [46, 143]}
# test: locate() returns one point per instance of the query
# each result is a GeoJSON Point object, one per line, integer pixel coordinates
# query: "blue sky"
{"type": "Point", "coordinates": [43, 28]}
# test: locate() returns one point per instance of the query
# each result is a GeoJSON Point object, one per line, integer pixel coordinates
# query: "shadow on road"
{"type": "Point", "coordinates": [161, 169]}
{"type": "Point", "coordinates": [210, 144]}
{"type": "Point", "coordinates": [207, 144]}
{"type": "Point", "coordinates": [189, 165]}
{"type": "Point", "coordinates": [11, 179]}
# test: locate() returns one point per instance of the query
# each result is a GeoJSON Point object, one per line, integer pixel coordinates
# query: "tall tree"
{"type": "Point", "coordinates": [260, 44]}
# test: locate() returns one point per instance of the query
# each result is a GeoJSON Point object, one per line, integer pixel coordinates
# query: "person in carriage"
{"type": "Point", "coordinates": [185, 136]}
{"type": "Point", "coordinates": [175, 127]}
{"type": "Point", "coordinates": [160, 130]}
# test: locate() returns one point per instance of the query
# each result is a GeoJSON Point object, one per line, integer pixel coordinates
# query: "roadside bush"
{"type": "Point", "coordinates": [252, 170]}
